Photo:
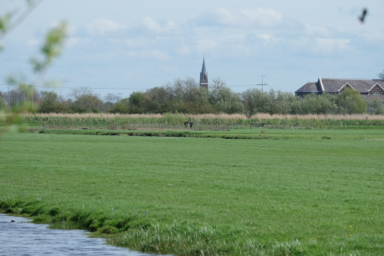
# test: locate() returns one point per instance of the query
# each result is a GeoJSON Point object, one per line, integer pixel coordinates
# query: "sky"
{"type": "Point", "coordinates": [121, 46]}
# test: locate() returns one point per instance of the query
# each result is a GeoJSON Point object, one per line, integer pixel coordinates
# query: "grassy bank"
{"type": "Point", "coordinates": [201, 122]}
{"type": "Point", "coordinates": [357, 132]}
{"type": "Point", "coordinates": [202, 196]}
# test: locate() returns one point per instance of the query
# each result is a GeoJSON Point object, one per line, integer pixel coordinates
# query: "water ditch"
{"type": "Point", "coordinates": [25, 238]}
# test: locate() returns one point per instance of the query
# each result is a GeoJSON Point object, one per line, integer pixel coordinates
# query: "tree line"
{"type": "Point", "coordinates": [186, 96]}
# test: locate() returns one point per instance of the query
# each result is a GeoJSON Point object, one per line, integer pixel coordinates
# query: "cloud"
{"type": "Point", "coordinates": [151, 25]}
{"type": "Point", "coordinates": [318, 31]}
{"type": "Point", "coordinates": [102, 27]}
{"type": "Point", "coordinates": [76, 41]}
{"type": "Point", "coordinates": [149, 54]}
{"type": "Point", "coordinates": [245, 18]}
{"type": "Point", "coordinates": [327, 46]}
{"type": "Point", "coordinates": [220, 32]}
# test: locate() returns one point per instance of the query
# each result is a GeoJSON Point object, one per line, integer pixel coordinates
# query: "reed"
{"type": "Point", "coordinates": [109, 115]}
{"type": "Point", "coordinates": [259, 116]}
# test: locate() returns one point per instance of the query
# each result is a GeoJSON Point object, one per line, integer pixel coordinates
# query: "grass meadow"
{"type": "Point", "coordinates": [196, 196]}
{"type": "Point", "coordinates": [223, 122]}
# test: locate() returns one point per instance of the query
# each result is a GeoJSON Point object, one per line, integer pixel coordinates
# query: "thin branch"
{"type": "Point", "coordinates": [21, 18]}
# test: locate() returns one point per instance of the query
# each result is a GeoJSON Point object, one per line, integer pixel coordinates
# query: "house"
{"type": "Point", "coordinates": [368, 88]}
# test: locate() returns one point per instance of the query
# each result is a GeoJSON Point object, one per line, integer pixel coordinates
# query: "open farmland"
{"type": "Point", "coordinates": [189, 196]}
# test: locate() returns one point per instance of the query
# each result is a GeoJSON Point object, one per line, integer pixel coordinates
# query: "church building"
{"type": "Point", "coordinates": [204, 77]}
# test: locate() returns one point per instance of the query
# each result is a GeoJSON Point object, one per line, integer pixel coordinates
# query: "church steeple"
{"type": "Point", "coordinates": [204, 76]}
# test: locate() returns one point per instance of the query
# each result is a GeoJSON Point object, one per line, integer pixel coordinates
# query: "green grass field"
{"type": "Point", "coordinates": [253, 133]}
{"type": "Point", "coordinates": [204, 196]}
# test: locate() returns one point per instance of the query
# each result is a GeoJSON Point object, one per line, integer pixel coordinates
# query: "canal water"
{"type": "Point", "coordinates": [24, 238]}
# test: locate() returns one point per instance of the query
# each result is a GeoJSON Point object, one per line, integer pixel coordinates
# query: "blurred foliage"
{"type": "Point", "coordinates": [51, 49]}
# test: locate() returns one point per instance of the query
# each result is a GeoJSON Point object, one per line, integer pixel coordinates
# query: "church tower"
{"type": "Point", "coordinates": [204, 77]}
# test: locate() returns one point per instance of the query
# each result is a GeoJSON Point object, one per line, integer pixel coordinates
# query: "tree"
{"type": "Point", "coordinates": [135, 100]}
{"type": "Point", "coordinates": [3, 104]}
{"type": "Point", "coordinates": [51, 103]}
{"type": "Point", "coordinates": [375, 106]}
{"type": "Point", "coordinates": [121, 107]}
{"type": "Point", "coordinates": [256, 101]}
{"type": "Point", "coordinates": [110, 99]}
{"type": "Point", "coordinates": [351, 102]}
{"type": "Point", "coordinates": [319, 104]}
{"type": "Point", "coordinates": [381, 75]}
{"type": "Point", "coordinates": [85, 100]}
{"type": "Point", "coordinates": [223, 99]}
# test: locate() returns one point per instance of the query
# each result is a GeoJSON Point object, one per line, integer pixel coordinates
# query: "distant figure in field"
{"type": "Point", "coordinates": [190, 124]}
{"type": "Point", "coordinates": [186, 124]}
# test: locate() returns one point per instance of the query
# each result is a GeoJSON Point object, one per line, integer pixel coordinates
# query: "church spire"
{"type": "Point", "coordinates": [203, 69]}
{"type": "Point", "coordinates": [204, 76]}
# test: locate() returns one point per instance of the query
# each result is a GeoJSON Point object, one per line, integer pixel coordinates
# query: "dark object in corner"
{"type": "Point", "coordinates": [362, 17]}
{"type": "Point", "coordinates": [12, 221]}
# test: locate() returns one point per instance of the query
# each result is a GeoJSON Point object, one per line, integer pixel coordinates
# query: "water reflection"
{"type": "Point", "coordinates": [21, 238]}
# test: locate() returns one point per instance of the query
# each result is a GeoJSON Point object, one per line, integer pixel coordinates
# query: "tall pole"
{"type": "Point", "coordinates": [9, 97]}
{"type": "Point", "coordinates": [262, 83]}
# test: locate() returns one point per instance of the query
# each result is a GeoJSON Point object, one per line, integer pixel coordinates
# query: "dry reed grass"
{"type": "Point", "coordinates": [319, 117]}
{"type": "Point", "coordinates": [108, 115]}
{"type": "Point", "coordinates": [217, 116]}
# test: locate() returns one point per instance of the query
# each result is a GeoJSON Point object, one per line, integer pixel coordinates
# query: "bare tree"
{"type": "Point", "coordinates": [111, 99]}
{"type": "Point", "coordinates": [381, 75]}
{"type": "Point", "coordinates": [85, 100]}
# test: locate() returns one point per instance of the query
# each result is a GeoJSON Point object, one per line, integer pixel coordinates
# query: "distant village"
{"type": "Point", "coordinates": [325, 96]}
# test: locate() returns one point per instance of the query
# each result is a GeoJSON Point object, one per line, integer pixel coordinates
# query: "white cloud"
{"type": "Point", "coordinates": [327, 46]}
{"type": "Point", "coordinates": [158, 27]}
{"type": "Point", "coordinates": [266, 18]}
{"type": "Point", "coordinates": [102, 26]}
{"type": "Point", "coordinates": [318, 31]}
{"type": "Point", "coordinates": [149, 54]}
{"type": "Point", "coordinates": [245, 18]}
{"type": "Point", "coordinates": [225, 34]}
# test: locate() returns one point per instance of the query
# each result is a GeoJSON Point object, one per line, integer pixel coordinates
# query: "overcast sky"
{"type": "Point", "coordinates": [121, 46]}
